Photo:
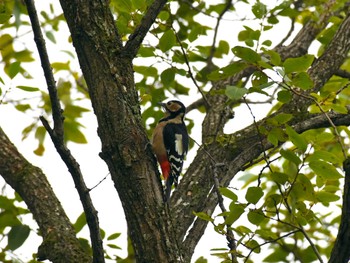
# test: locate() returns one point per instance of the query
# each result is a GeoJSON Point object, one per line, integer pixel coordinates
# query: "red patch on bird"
{"type": "Point", "coordinates": [165, 166]}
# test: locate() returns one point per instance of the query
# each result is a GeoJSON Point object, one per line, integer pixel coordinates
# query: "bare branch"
{"type": "Point", "coordinates": [206, 103]}
{"type": "Point", "coordinates": [57, 137]}
{"type": "Point", "coordinates": [46, 66]}
{"type": "Point", "coordinates": [135, 39]}
{"type": "Point", "coordinates": [229, 233]}
{"type": "Point", "coordinates": [343, 73]}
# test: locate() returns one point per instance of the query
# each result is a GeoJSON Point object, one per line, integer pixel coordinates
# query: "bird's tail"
{"type": "Point", "coordinates": [168, 184]}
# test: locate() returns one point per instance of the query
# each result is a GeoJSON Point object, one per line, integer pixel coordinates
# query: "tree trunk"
{"type": "Point", "coordinates": [108, 71]}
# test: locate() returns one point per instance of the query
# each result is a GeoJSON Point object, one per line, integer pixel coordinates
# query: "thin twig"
{"type": "Point", "coordinates": [190, 70]}
{"type": "Point", "coordinates": [229, 233]}
{"type": "Point", "coordinates": [218, 20]}
{"type": "Point", "coordinates": [96, 185]}
{"type": "Point", "coordinates": [327, 116]}
{"type": "Point", "coordinates": [57, 137]}
{"type": "Point", "coordinates": [260, 138]}
{"type": "Point", "coordinates": [270, 241]}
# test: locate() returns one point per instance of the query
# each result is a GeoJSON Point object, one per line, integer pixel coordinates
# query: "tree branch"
{"type": "Point", "coordinates": [340, 252]}
{"type": "Point", "coordinates": [57, 137]}
{"type": "Point", "coordinates": [243, 146]}
{"type": "Point", "coordinates": [136, 38]}
{"type": "Point", "coordinates": [46, 66]}
{"type": "Point", "coordinates": [343, 73]}
{"type": "Point", "coordinates": [109, 75]}
{"type": "Point", "coordinates": [31, 184]}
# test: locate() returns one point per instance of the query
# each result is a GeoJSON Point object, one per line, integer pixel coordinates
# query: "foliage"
{"type": "Point", "coordinates": [288, 199]}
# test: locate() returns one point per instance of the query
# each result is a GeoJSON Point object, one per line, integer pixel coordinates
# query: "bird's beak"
{"type": "Point", "coordinates": [162, 105]}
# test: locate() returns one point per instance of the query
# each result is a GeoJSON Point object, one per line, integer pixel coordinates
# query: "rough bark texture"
{"type": "Point", "coordinates": [341, 251]}
{"type": "Point", "coordinates": [60, 243]}
{"type": "Point", "coordinates": [108, 71]}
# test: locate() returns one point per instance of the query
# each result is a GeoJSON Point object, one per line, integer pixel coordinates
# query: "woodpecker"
{"type": "Point", "coordinates": [170, 143]}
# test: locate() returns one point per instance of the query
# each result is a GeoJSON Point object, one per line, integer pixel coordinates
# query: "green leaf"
{"type": "Point", "coordinates": [39, 150]}
{"type": "Point", "coordinates": [283, 118]}
{"type": "Point", "coordinates": [17, 236]}
{"type": "Point", "coordinates": [326, 197]}
{"type": "Point", "coordinates": [80, 223]}
{"type": "Point", "coordinates": [227, 71]}
{"type": "Point", "coordinates": [236, 211]}
{"type": "Point", "coordinates": [125, 6]}
{"type": "Point", "coordinates": [146, 51]}
{"type": "Point", "coordinates": [164, 15]}
{"type": "Point", "coordinates": [14, 69]}
{"type": "Point", "coordinates": [324, 155]}
{"type": "Point", "coordinates": [291, 156]}
{"type": "Point", "coordinates": [228, 193]}
{"type": "Point", "coordinates": [168, 76]}
{"type": "Point", "coordinates": [259, 78]}
{"type": "Point", "coordinates": [57, 66]}
{"type": "Point", "coordinates": [276, 135]}
{"type": "Point", "coordinates": [325, 170]}
{"type": "Point", "coordinates": [28, 88]}
{"type": "Point", "coordinates": [74, 111]}
{"type": "Point", "coordinates": [235, 93]}
{"type": "Point", "coordinates": [298, 64]}
{"type": "Point", "coordinates": [4, 17]}
{"type": "Point", "coordinates": [284, 96]}
{"type": "Point", "coordinates": [297, 139]}
{"type": "Point", "coordinates": [72, 132]}
{"type": "Point", "coordinates": [51, 36]}
{"type": "Point", "coordinates": [201, 260]}
{"type": "Point", "coordinates": [242, 230]}
{"type": "Point", "coordinates": [253, 244]}
{"type": "Point", "coordinates": [278, 255]}
{"type": "Point", "coordinates": [203, 216]}
{"type": "Point", "coordinates": [114, 236]}
{"type": "Point", "coordinates": [167, 41]}
{"type": "Point", "coordinates": [280, 178]}
{"type": "Point", "coordinates": [114, 246]}
{"type": "Point", "coordinates": [23, 107]}
{"type": "Point", "coordinates": [255, 217]}
{"type": "Point", "coordinates": [273, 200]}
{"type": "Point", "coordinates": [303, 81]}
{"type": "Point", "coordinates": [340, 108]}
{"type": "Point", "coordinates": [246, 54]}
{"type": "Point", "coordinates": [146, 71]}
{"type": "Point", "coordinates": [259, 10]}
{"type": "Point", "coordinates": [40, 134]}
{"type": "Point", "coordinates": [303, 189]}
{"type": "Point", "coordinates": [7, 204]}
{"type": "Point", "coordinates": [8, 219]}
{"type": "Point", "coordinates": [254, 194]}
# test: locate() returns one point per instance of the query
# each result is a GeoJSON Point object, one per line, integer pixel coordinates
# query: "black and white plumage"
{"type": "Point", "coordinates": [170, 143]}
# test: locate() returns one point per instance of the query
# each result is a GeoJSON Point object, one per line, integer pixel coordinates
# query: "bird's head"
{"type": "Point", "coordinates": [174, 108]}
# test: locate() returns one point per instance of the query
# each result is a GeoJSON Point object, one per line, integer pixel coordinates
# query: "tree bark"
{"type": "Point", "coordinates": [108, 71]}
{"type": "Point", "coordinates": [340, 251]}
{"type": "Point", "coordinates": [60, 244]}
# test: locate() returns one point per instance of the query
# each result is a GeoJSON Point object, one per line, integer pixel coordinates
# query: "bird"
{"type": "Point", "coordinates": [170, 143]}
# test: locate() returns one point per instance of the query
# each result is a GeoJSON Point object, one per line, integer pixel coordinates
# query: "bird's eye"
{"type": "Point", "coordinates": [168, 103]}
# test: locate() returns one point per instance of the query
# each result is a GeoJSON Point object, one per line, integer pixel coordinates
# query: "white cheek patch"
{"type": "Point", "coordinates": [178, 144]}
